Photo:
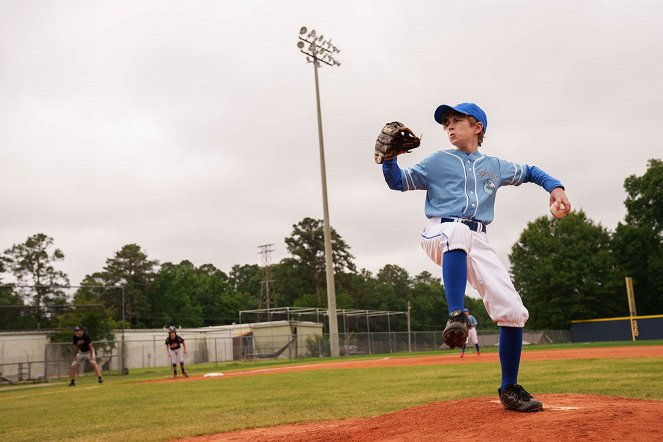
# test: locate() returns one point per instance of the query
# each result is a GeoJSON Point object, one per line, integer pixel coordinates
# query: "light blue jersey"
{"type": "Point", "coordinates": [473, 321]}
{"type": "Point", "coordinates": [462, 185]}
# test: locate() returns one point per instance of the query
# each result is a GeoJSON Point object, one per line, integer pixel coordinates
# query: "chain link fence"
{"type": "Point", "coordinates": [398, 342]}
{"type": "Point", "coordinates": [151, 353]}
{"type": "Point", "coordinates": [137, 354]}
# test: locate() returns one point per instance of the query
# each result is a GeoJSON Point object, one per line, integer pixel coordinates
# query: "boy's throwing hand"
{"type": "Point", "coordinates": [560, 205]}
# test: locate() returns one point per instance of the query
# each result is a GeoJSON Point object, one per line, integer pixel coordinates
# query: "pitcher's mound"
{"type": "Point", "coordinates": [564, 418]}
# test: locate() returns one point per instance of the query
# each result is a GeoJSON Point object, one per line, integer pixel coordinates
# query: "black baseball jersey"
{"type": "Point", "coordinates": [83, 343]}
{"type": "Point", "coordinates": [174, 343]}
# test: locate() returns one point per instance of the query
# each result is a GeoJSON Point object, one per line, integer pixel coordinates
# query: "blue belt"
{"type": "Point", "coordinates": [473, 225]}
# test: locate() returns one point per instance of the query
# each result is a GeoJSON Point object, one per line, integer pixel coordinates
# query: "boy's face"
{"type": "Point", "coordinates": [462, 133]}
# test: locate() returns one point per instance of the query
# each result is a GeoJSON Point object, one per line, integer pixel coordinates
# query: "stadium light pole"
{"type": "Point", "coordinates": [318, 50]}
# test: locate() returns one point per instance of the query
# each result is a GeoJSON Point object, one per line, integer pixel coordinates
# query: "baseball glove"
{"type": "Point", "coordinates": [395, 139]}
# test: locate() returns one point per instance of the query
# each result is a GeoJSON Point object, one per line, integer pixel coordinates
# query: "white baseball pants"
{"type": "Point", "coordinates": [82, 356]}
{"type": "Point", "coordinates": [485, 272]}
{"type": "Point", "coordinates": [472, 336]}
{"type": "Point", "coordinates": [176, 355]}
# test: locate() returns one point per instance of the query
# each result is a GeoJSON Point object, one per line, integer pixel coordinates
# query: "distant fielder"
{"type": "Point", "coordinates": [176, 349]}
{"type": "Point", "coordinates": [83, 350]}
{"type": "Point", "coordinates": [471, 333]}
{"type": "Point", "coordinates": [460, 186]}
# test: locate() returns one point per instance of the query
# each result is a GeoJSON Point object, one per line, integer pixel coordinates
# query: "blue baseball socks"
{"type": "Point", "coordinates": [454, 275]}
{"type": "Point", "coordinates": [511, 343]}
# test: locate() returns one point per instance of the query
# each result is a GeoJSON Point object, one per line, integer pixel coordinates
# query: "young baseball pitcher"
{"type": "Point", "coordinates": [461, 185]}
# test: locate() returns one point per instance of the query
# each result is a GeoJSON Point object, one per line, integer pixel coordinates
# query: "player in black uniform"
{"type": "Point", "coordinates": [82, 349]}
{"type": "Point", "coordinates": [176, 349]}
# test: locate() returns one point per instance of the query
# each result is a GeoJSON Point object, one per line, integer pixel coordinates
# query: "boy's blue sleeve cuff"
{"type": "Point", "coordinates": [538, 176]}
{"type": "Point", "coordinates": [392, 174]}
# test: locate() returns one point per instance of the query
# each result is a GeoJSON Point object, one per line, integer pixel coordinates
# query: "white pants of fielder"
{"type": "Point", "coordinates": [485, 272]}
{"type": "Point", "coordinates": [472, 336]}
{"type": "Point", "coordinates": [82, 356]}
{"type": "Point", "coordinates": [176, 355]}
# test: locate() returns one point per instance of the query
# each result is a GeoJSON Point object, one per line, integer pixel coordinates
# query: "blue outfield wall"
{"type": "Point", "coordinates": [616, 329]}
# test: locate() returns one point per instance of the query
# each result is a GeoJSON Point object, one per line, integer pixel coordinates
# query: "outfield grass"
{"type": "Point", "coordinates": [126, 408]}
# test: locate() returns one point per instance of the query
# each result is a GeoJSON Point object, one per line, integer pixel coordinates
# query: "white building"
{"type": "Point", "coordinates": [29, 355]}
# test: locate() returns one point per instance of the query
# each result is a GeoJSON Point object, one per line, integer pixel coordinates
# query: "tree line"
{"type": "Point", "coordinates": [565, 269]}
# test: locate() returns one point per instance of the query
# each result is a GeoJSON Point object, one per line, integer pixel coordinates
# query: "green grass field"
{"type": "Point", "coordinates": [127, 408]}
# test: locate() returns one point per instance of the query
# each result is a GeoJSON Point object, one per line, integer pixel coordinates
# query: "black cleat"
{"type": "Point", "coordinates": [101, 381]}
{"type": "Point", "coordinates": [514, 397]}
{"type": "Point", "coordinates": [455, 333]}
{"type": "Point", "coordinates": [72, 383]}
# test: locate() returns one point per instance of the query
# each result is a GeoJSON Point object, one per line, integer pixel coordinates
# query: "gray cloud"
{"type": "Point", "coordinates": [190, 128]}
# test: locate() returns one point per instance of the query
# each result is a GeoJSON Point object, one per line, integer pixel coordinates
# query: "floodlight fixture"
{"type": "Point", "coordinates": [319, 49]}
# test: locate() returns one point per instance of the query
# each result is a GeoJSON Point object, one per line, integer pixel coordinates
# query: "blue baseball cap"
{"type": "Point", "coordinates": [464, 108]}
{"type": "Point", "coordinates": [466, 310]}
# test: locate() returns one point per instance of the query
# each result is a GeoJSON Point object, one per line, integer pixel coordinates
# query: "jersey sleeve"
{"type": "Point", "coordinates": [514, 174]}
{"type": "Point", "coordinates": [415, 178]}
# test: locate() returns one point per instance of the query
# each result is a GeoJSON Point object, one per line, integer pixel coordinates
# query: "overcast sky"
{"type": "Point", "coordinates": [189, 128]}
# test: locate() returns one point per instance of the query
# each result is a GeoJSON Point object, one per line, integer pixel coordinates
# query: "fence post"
{"type": "Point", "coordinates": [46, 362]}
{"type": "Point", "coordinates": [368, 327]}
{"type": "Point", "coordinates": [389, 328]}
{"type": "Point", "coordinates": [409, 330]}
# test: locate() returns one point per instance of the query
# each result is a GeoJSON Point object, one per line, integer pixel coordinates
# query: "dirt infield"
{"type": "Point", "coordinates": [567, 417]}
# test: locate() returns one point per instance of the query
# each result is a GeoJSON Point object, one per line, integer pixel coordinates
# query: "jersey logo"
{"type": "Point", "coordinates": [488, 175]}
{"type": "Point", "coordinates": [489, 187]}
